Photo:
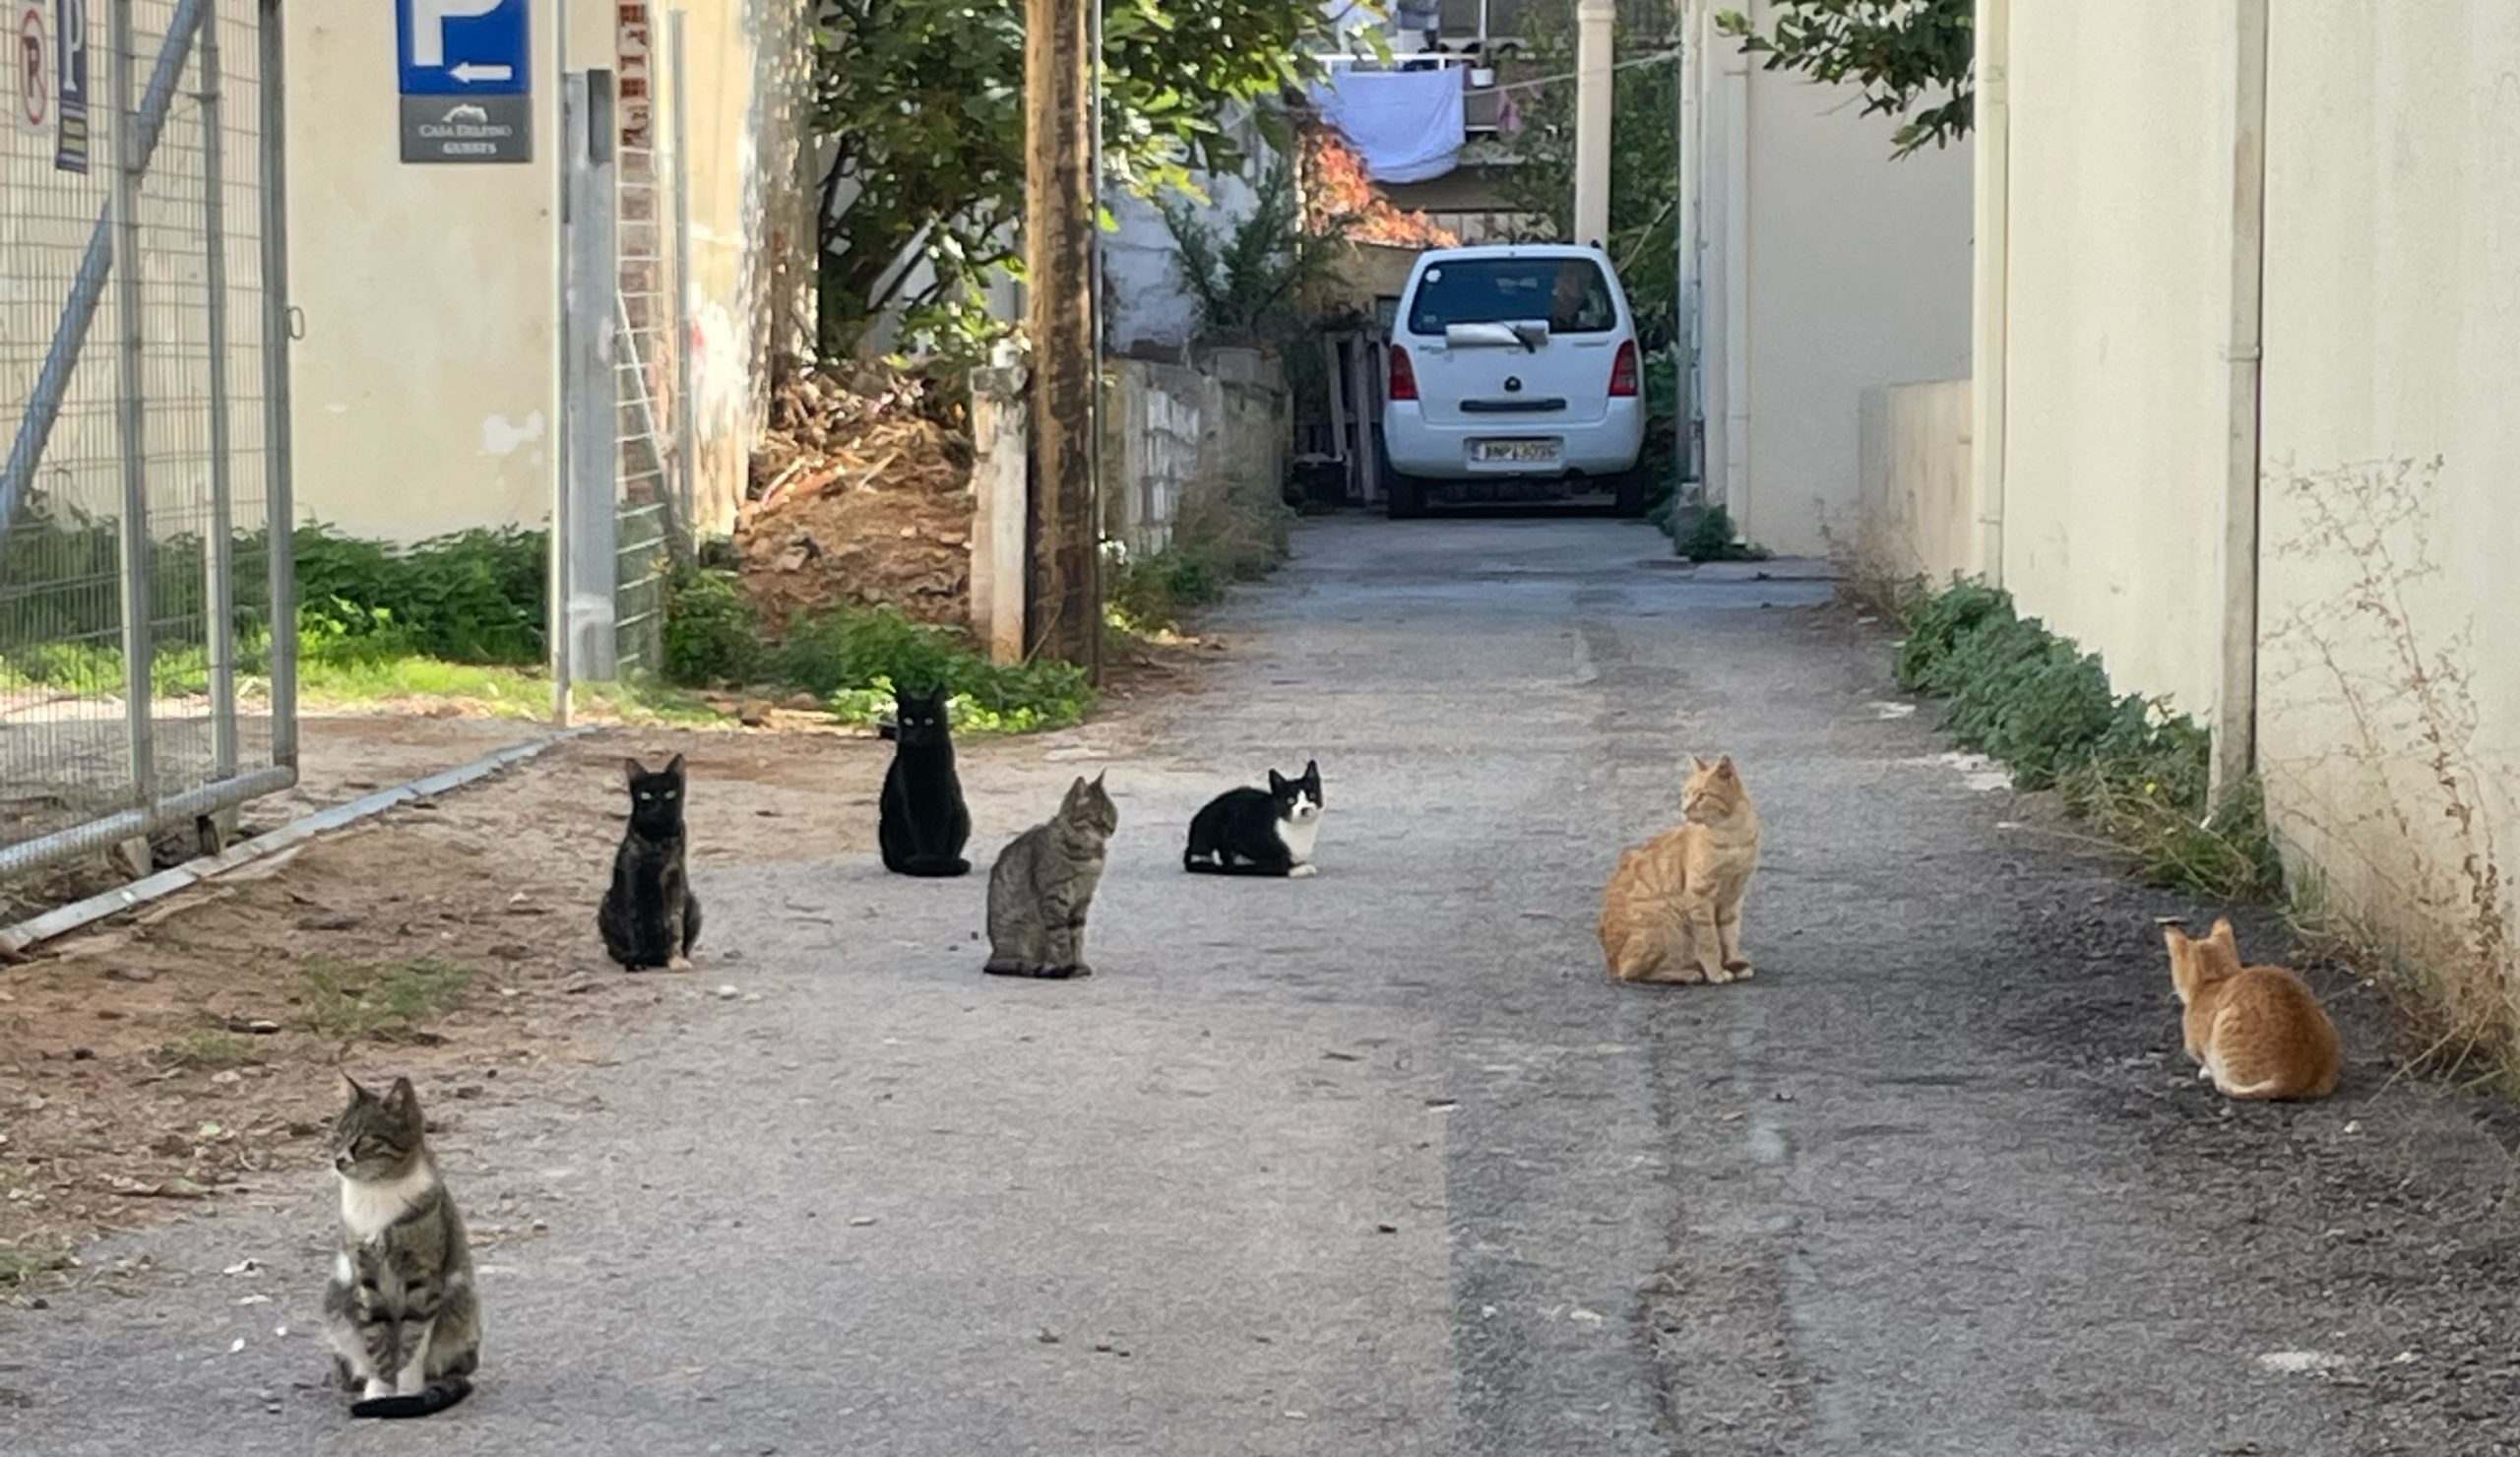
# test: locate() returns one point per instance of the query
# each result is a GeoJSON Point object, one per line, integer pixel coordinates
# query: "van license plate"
{"type": "Point", "coordinates": [1515, 451]}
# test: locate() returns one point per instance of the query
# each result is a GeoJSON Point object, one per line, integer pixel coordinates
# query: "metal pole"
{"type": "Point", "coordinates": [571, 106]}
{"type": "Point", "coordinates": [280, 511]}
{"type": "Point", "coordinates": [686, 406]}
{"type": "Point", "coordinates": [221, 551]}
{"type": "Point", "coordinates": [589, 496]}
{"type": "Point", "coordinates": [131, 422]}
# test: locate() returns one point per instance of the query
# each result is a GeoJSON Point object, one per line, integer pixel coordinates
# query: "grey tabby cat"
{"type": "Point", "coordinates": [1043, 883]}
{"type": "Point", "coordinates": [401, 1309]}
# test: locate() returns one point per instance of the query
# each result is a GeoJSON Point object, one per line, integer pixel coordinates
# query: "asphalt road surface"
{"type": "Point", "coordinates": [1379, 1163]}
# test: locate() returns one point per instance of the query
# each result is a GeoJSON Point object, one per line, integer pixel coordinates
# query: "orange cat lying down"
{"type": "Point", "coordinates": [2259, 1032]}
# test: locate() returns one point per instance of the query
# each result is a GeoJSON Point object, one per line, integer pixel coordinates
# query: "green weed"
{"type": "Point", "coordinates": [381, 1001]}
{"type": "Point", "coordinates": [1716, 538]}
{"type": "Point", "coordinates": [208, 1049]}
{"type": "Point", "coordinates": [20, 1263]}
{"type": "Point", "coordinates": [2035, 702]}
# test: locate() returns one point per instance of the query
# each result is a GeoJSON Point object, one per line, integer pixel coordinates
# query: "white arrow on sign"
{"type": "Point", "coordinates": [469, 72]}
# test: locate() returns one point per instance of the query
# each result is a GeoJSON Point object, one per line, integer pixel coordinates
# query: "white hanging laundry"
{"type": "Point", "coordinates": [1406, 125]}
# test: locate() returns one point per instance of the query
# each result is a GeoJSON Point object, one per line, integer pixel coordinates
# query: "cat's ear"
{"type": "Point", "coordinates": [1697, 763]}
{"type": "Point", "coordinates": [1098, 784]}
{"type": "Point", "coordinates": [2175, 937]}
{"type": "Point", "coordinates": [632, 770]}
{"type": "Point", "coordinates": [673, 765]}
{"type": "Point", "coordinates": [351, 1093]}
{"type": "Point", "coordinates": [1276, 784]}
{"type": "Point", "coordinates": [1723, 766]}
{"type": "Point", "coordinates": [2224, 935]}
{"type": "Point", "coordinates": [1311, 772]}
{"type": "Point", "coordinates": [404, 1099]}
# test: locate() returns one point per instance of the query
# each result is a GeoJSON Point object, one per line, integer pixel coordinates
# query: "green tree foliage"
{"type": "Point", "coordinates": [923, 100]}
{"type": "Point", "coordinates": [1913, 59]}
{"type": "Point", "coordinates": [1644, 185]}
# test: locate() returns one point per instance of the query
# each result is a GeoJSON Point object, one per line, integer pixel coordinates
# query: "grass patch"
{"type": "Point", "coordinates": [20, 1263]}
{"type": "Point", "coordinates": [381, 1002]}
{"type": "Point", "coordinates": [2127, 765]}
{"type": "Point", "coordinates": [852, 658]}
{"type": "Point", "coordinates": [1714, 538]}
{"type": "Point", "coordinates": [208, 1049]}
{"type": "Point", "coordinates": [1223, 533]}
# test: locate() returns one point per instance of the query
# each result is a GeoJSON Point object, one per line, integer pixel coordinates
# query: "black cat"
{"type": "Point", "coordinates": [650, 917]}
{"type": "Point", "coordinates": [1258, 832]}
{"type": "Point", "coordinates": [923, 825]}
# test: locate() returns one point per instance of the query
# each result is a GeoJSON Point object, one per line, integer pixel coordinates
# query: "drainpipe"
{"type": "Point", "coordinates": [1992, 265]}
{"type": "Point", "coordinates": [1593, 24]}
{"type": "Point", "coordinates": [2235, 705]}
{"type": "Point", "coordinates": [1737, 286]}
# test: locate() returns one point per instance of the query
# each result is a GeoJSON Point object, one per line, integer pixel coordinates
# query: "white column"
{"type": "Point", "coordinates": [1593, 80]}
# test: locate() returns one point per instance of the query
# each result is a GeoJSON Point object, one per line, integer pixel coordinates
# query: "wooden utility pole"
{"type": "Point", "coordinates": [1064, 608]}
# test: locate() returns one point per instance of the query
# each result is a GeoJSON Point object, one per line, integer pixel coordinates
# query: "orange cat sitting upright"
{"type": "Point", "coordinates": [2259, 1032]}
{"type": "Point", "coordinates": [1673, 912]}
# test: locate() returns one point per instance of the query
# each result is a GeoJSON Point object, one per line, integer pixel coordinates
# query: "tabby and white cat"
{"type": "Point", "coordinates": [1258, 832]}
{"type": "Point", "coordinates": [649, 917]}
{"type": "Point", "coordinates": [401, 1308]}
{"type": "Point", "coordinates": [2256, 1031]}
{"type": "Point", "coordinates": [1672, 911]}
{"type": "Point", "coordinates": [1044, 883]}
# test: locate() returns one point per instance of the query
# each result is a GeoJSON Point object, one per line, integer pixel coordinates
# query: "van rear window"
{"type": "Point", "coordinates": [1572, 294]}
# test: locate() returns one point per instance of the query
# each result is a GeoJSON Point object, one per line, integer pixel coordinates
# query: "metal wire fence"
{"type": "Point", "coordinates": [146, 661]}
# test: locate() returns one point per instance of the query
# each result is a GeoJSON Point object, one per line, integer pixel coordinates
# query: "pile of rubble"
{"type": "Point", "coordinates": [858, 495]}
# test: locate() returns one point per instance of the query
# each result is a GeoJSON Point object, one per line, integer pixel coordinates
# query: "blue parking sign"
{"type": "Point", "coordinates": [461, 47]}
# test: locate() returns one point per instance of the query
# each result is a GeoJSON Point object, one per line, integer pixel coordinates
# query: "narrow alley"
{"type": "Point", "coordinates": [1380, 1162]}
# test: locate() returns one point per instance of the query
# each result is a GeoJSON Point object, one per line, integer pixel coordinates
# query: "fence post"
{"type": "Point", "coordinates": [1002, 457]}
{"type": "Point", "coordinates": [219, 551]}
{"type": "Point", "coordinates": [583, 599]}
{"type": "Point", "coordinates": [131, 433]}
{"type": "Point", "coordinates": [280, 509]}
{"type": "Point", "coordinates": [686, 406]}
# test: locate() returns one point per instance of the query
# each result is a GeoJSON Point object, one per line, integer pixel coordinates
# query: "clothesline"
{"type": "Point", "coordinates": [1650, 59]}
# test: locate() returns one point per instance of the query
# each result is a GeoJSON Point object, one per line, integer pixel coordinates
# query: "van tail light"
{"type": "Point", "coordinates": [1403, 377]}
{"type": "Point", "coordinates": [1623, 372]}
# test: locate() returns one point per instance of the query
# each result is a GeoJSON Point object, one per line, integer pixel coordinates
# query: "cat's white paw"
{"type": "Point", "coordinates": [1303, 870]}
{"type": "Point", "coordinates": [678, 963]}
{"type": "Point", "coordinates": [377, 1389]}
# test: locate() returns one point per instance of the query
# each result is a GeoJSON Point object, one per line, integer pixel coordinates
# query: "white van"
{"type": "Point", "coordinates": [1514, 362]}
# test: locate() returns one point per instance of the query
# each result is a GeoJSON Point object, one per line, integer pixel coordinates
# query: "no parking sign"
{"type": "Point", "coordinates": [30, 66]}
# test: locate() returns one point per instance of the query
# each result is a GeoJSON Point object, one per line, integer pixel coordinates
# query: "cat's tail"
{"type": "Point", "coordinates": [441, 1394]}
{"type": "Point", "coordinates": [933, 866]}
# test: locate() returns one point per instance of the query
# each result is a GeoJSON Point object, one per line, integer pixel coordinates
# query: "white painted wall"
{"type": "Point", "coordinates": [2119, 260]}
{"type": "Point", "coordinates": [1825, 269]}
{"type": "Point", "coordinates": [1914, 519]}
{"type": "Point", "coordinates": [2390, 521]}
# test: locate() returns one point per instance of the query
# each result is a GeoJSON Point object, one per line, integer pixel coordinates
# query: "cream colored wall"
{"type": "Point", "coordinates": [1859, 276]}
{"type": "Point", "coordinates": [426, 388]}
{"type": "Point", "coordinates": [1915, 516]}
{"type": "Point", "coordinates": [1825, 269]}
{"type": "Point", "coordinates": [2390, 523]}
{"type": "Point", "coordinates": [2119, 256]}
